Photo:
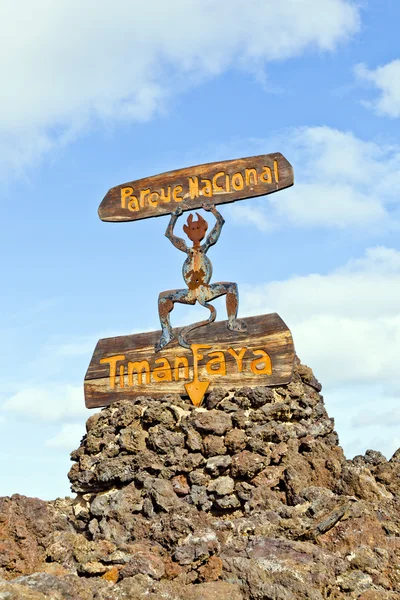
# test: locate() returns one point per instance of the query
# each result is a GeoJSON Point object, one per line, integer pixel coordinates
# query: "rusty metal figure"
{"type": "Point", "coordinates": [197, 272]}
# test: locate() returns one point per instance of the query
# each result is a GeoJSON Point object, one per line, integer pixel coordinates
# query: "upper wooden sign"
{"type": "Point", "coordinates": [127, 366]}
{"type": "Point", "coordinates": [218, 182]}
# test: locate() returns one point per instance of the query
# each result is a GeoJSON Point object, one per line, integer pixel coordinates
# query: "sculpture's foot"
{"type": "Point", "coordinates": [237, 325]}
{"type": "Point", "coordinates": [165, 339]}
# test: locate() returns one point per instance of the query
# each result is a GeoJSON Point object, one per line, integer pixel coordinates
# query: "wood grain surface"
{"type": "Point", "coordinates": [218, 182]}
{"type": "Point", "coordinates": [224, 358]}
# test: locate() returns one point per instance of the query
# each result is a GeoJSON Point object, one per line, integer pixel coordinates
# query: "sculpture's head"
{"type": "Point", "coordinates": [195, 230]}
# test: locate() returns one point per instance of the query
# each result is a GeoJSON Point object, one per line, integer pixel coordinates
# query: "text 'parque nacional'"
{"type": "Point", "coordinates": [219, 182]}
{"type": "Point", "coordinates": [196, 186]}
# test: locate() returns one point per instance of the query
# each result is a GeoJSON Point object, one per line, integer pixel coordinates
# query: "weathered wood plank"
{"type": "Point", "coordinates": [127, 366]}
{"type": "Point", "coordinates": [218, 182]}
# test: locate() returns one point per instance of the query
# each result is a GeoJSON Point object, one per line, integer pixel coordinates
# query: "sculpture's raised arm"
{"type": "Point", "coordinates": [212, 238]}
{"type": "Point", "coordinates": [176, 241]}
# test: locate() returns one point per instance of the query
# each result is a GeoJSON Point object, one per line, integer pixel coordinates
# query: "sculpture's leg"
{"type": "Point", "coordinates": [166, 301]}
{"type": "Point", "coordinates": [187, 330]}
{"type": "Point", "coordinates": [232, 302]}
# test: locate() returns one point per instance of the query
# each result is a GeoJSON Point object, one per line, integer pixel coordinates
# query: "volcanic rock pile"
{"type": "Point", "coordinates": [249, 497]}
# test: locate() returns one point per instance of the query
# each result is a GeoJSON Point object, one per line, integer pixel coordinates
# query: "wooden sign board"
{"type": "Point", "coordinates": [218, 182]}
{"type": "Point", "coordinates": [127, 367]}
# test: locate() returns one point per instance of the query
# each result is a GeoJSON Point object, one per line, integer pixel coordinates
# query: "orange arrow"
{"type": "Point", "coordinates": [196, 389]}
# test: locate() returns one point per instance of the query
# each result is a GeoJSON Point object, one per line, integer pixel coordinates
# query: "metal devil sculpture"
{"type": "Point", "coordinates": [226, 354]}
{"type": "Point", "coordinates": [197, 272]}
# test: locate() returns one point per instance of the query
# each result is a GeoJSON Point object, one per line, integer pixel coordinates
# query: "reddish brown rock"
{"type": "Point", "coordinates": [214, 445]}
{"type": "Point", "coordinates": [212, 421]}
{"type": "Point", "coordinates": [25, 525]}
{"type": "Point", "coordinates": [180, 485]}
{"type": "Point", "coordinates": [250, 499]}
{"type": "Point", "coordinates": [247, 464]}
{"type": "Point", "coordinates": [211, 570]}
{"type": "Point", "coordinates": [235, 440]}
{"type": "Point", "coordinates": [146, 563]}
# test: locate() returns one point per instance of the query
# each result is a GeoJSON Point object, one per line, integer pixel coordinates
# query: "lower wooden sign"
{"type": "Point", "coordinates": [127, 366]}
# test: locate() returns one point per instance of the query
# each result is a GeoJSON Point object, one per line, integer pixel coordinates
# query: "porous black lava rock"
{"type": "Point", "coordinates": [248, 497]}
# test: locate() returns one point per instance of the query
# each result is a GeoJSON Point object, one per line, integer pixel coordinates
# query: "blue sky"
{"type": "Point", "coordinates": [99, 93]}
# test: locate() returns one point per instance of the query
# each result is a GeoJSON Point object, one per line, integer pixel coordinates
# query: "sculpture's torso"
{"type": "Point", "coordinates": [197, 269]}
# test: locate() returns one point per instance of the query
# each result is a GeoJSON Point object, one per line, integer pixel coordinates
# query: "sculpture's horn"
{"type": "Point", "coordinates": [202, 222]}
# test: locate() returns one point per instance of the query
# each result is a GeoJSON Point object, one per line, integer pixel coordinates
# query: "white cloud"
{"type": "Point", "coordinates": [68, 437]}
{"type": "Point", "coordinates": [45, 394]}
{"type": "Point", "coordinates": [362, 414]}
{"type": "Point", "coordinates": [68, 64]}
{"type": "Point", "coordinates": [366, 418]}
{"type": "Point", "coordinates": [386, 442]}
{"type": "Point", "coordinates": [341, 181]}
{"type": "Point", "coordinates": [335, 205]}
{"type": "Point", "coordinates": [80, 345]}
{"type": "Point", "coordinates": [381, 439]}
{"type": "Point", "coordinates": [387, 80]}
{"type": "Point", "coordinates": [253, 216]}
{"type": "Point", "coordinates": [84, 344]}
{"type": "Point", "coordinates": [61, 354]}
{"type": "Point", "coordinates": [346, 324]}
{"type": "Point", "coordinates": [48, 403]}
